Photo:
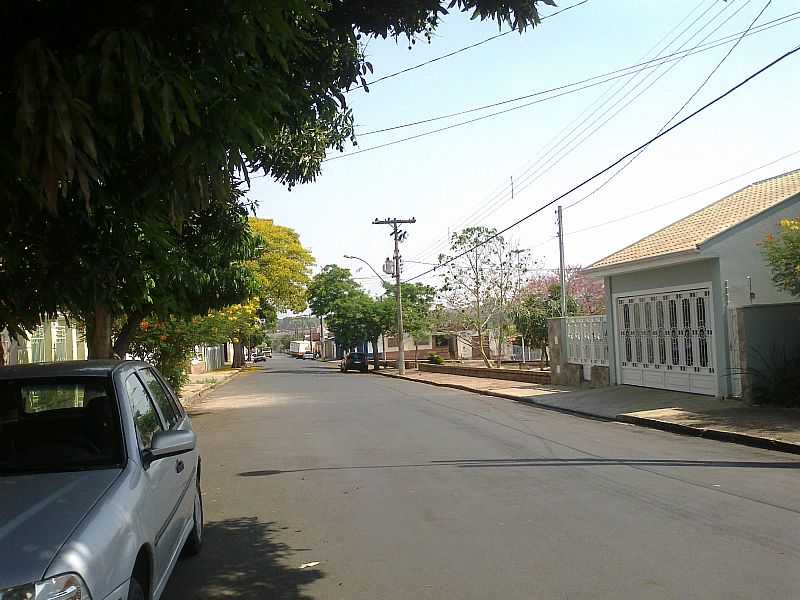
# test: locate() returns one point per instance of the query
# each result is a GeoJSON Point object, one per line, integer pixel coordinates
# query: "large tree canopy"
{"type": "Point", "coordinates": [122, 122]}
{"type": "Point", "coordinates": [192, 95]}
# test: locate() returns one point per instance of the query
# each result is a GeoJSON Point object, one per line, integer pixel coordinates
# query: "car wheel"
{"type": "Point", "coordinates": [135, 590]}
{"type": "Point", "coordinates": [195, 540]}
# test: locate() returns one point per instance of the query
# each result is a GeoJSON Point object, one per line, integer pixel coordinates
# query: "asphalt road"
{"type": "Point", "coordinates": [324, 485]}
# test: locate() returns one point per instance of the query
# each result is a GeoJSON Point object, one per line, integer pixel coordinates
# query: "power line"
{"type": "Point", "coordinates": [641, 66]}
{"type": "Point", "coordinates": [684, 197]}
{"type": "Point", "coordinates": [529, 176]}
{"type": "Point", "coordinates": [553, 142]}
{"type": "Point", "coordinates": [579, 141]}
{"type": "Point", "coordinates": [621, 158]}
{"type": "Point", "coordinates": [684, 105]}
{"type": "Point", "coordinates": [454, 52]}
{"type": "Point", "coordinates": [664, 60]}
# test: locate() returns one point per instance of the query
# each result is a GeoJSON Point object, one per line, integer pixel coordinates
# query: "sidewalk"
{"type": "Point", "coordinates": [202, 383]}
{"type": "Point", "coordinates": [689, 414]}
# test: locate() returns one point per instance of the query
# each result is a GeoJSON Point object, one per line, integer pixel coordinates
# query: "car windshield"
{"type": "Point", "coordinates": [51, 425]}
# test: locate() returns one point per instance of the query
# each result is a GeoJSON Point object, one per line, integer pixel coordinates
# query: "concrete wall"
{"type": "Point", "coordinates": [767, 335]}
{"type": "Point", "coordinates": [739, 255]}
{"type": "Point", "coordinates": [542, 377]}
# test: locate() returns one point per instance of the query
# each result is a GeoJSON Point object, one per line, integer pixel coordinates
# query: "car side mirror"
{"type": "Point", "coordinates": [170, 443]}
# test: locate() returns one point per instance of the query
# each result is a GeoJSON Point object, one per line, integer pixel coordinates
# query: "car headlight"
{"type": "Point", "coordinates": [63, 587]}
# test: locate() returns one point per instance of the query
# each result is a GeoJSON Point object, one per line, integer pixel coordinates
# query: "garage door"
{"type": "Point", "coordinates": [666, 340]}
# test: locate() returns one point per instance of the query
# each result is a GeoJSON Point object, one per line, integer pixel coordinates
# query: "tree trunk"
{"type": "Point", "coordinates": [486, 360]}
{"type": "Point", "coordinates": [98, 333]}
{"type": "Point", "coordinates": [416, 349]}
{"type": "Point", "coordinates": [238, 355]}
{"type": "Point", "coordinates": [375, 360]}
{"type": "Point", "coordinates": [2, 355]}
{"type": "Point", "coordinates": [130, 327]}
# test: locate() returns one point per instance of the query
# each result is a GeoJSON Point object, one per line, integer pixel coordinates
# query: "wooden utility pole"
{"type": "Point", "coordinates": [399, 236]}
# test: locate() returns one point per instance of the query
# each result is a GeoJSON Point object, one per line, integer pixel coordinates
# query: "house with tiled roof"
{"type": "Point", "coordinates": [689, 303]}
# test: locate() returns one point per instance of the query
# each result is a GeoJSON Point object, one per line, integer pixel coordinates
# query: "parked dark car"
{"type": "Point", "coordinates": [354, 360]}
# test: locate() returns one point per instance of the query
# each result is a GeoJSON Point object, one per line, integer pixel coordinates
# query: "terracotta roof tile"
{"type": "Point", "coordinates": [690, 232]}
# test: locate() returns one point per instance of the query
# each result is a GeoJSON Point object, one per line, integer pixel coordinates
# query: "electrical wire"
{"type": "Point", "coordinates": [454, 52]}
{"type": "Point", "coordinates": [559, 137]}
{"type": "Point", "coordinates": [531, 175]}
{"type": "Point", "coordinates": [679, 111]}
{"type": "Point", "coordinates": [667, 131]}
{"type": "Point", "coordinates": [684, 197]}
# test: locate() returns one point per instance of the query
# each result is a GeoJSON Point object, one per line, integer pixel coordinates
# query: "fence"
{"type": "Point", "coordinates": [587, 342]}
{"type": "Point", "coordinates": [531, 354]}
{"type": "Point", "coordinates": [213, 357]}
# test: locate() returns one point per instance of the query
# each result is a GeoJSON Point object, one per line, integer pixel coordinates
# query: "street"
{"type": "Point", "coordinates": [319, 484]}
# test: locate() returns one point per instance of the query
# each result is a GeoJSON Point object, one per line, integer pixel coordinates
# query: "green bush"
{"type": "Point", "coordinates": [167, 345]}
{"type": "Point", "coordinates": [435, 359]}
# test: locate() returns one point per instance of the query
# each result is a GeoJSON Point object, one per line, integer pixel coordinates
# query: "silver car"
{"type": "Point", "coordinates": [99, 482]}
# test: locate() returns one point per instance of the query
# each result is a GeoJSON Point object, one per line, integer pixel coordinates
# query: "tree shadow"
{"type": "Point", "coordinates": [240, 559]}
{"type": "Point", "coordinates": [543, 462]}
{"type": "Point", "coordinates": [319, 371]}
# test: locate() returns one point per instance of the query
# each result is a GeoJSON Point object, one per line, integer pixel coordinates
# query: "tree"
{"type": "Point", "coordinates": [123, 270]}
{"type": "Point", "coordinates": [588, 292]}
{"type": "Point", "coordinates": [332, 284]}
{"type": "Point", "coordinates": [417, 305]}
{"type": "Point", "coordinates": [280, 274]}
{"type": "Point", "coordinates": [782, 253]}
{"type": "Point", "coordinates": [481, 276]}
{"type": "Point", "coordinates": [534, 310]}
{"type": "Point", "coordinates": [143, 114]}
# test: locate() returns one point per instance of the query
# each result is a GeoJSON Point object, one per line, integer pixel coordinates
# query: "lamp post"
{"type": "Point", "coordinates": [383, 343]}
{"type": "Point", "coordinates": [369, 265]}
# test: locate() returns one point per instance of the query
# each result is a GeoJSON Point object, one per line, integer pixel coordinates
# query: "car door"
{"type": "Point", "coordinates": [161, 482]}
{"type": "Point", "coordinates": [185, 464]}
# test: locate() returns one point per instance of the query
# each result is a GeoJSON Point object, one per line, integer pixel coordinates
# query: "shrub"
{"type": "Point", "coordinates": [777, 380]}
{"type": "Point", "coordinates": [435, 359]}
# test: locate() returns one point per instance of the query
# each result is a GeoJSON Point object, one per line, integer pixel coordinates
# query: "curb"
{"type": "Point", "coordinates": [190, 400]}
{"type": "Point", "coordinates": [732, 437]}
{"type": "Point", "coordinates": [464, 388]}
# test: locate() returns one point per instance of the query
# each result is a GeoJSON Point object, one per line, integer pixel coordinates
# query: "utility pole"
{"type": "Point", "coordinates": [561, 262]}
{"type": "Point", "coordinates": [398, 237]}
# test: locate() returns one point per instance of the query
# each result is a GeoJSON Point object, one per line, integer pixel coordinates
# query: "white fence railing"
{"type": "Point", "coordinates": [587, 341]}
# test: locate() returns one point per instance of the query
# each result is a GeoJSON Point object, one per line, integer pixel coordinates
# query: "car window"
{"type": "Point", "coordinates": [161, 397]}
{"type": "Point", "coordinates": [145, 416]}
{"type": "Point", "coordinates": [58, 424]}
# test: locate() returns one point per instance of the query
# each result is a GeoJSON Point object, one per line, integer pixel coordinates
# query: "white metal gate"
{"type": "Point", "coordinates": [665, 340]}
{"type": "Point", "coordinates": [587, 342]}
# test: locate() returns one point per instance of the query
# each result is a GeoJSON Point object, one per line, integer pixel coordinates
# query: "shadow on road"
{"type": "Point", "coordinates": [240, 560]}
{"type": "Point", "coordinates": [305, 371]}
{"type": "Point", "coordinates": [545, 462]}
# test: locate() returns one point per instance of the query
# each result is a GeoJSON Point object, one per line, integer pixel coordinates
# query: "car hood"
{"type": "Point", "coordinates": [38, 512]}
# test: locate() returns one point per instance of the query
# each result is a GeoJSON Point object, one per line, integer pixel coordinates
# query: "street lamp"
{"type": "Point", "coordinates": [369, 265]}
{"type": "Point", "coordinates": [383, 341]}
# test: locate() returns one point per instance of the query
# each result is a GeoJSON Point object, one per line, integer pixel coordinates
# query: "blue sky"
{"type": "Point", "coordinates": [442, 179]}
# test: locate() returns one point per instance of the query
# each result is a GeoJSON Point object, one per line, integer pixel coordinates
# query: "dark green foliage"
{"type": "Point", "coordinates": [776, 380]}
{"type": "Point", "coordinates": [435, 359]}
